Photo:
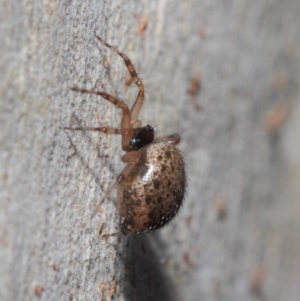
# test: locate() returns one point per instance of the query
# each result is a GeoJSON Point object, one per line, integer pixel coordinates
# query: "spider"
{"type": "Point", "coordinates": [151, 187]}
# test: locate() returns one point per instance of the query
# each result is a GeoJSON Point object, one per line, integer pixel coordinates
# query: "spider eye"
{"type": "Point", "coordinates": [141, 137]}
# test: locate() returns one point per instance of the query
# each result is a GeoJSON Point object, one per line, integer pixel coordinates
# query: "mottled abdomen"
{"type": "Point", "coordinates": [153, 191]}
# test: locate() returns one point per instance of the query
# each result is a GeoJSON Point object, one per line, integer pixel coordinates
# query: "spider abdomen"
{"type": "Point", "coordinates": [153, 191]}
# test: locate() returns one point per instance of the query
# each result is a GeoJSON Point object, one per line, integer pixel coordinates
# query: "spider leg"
{"type": "Point", "coordinates": [171, 139]}
{"type": "Point", "coordinates": [135, 110]}
{"type": "Point", "coordinates": [132, 158]}
{"type": "Point", "coordinates": [126, 129]}
{"type": "Point", "coordinates": [102, 129]}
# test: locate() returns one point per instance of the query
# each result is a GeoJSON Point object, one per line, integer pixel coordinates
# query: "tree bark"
{"type": "Point", "coordinates": [225, 75]}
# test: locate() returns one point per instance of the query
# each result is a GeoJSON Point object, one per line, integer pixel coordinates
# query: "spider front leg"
{"type": "Point", "coordinates": [102, 129]}
{"type": "Point", "coordinates": [131, 158]}
{"type": "Point", "coordinates": [126, 129]}
{"type": "Point", "coordinates": [136, 108]}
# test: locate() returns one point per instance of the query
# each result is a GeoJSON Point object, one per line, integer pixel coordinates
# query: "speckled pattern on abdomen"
{"type": "Point", "coordinates": [153, 191]}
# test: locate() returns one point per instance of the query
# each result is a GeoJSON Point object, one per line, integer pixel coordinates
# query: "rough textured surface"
{"type": "Point", "coordinates": [237, 237]}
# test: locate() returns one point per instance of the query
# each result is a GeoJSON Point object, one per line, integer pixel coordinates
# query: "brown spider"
{"type": "Point", "coordinates": [152, 185]}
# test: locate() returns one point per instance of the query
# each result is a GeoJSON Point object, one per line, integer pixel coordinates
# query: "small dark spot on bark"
{"type": "Point", "coordinates": [159, 157]}
{"type": "Point", "coordinates": [163, 167]}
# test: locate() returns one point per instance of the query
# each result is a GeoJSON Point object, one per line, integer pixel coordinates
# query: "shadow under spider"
{"type": "Point", "coordinates": [145, 276]}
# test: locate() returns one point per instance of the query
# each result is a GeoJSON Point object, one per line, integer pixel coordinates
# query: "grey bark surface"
{"type": "Point", "coordinates": [240, 137]}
